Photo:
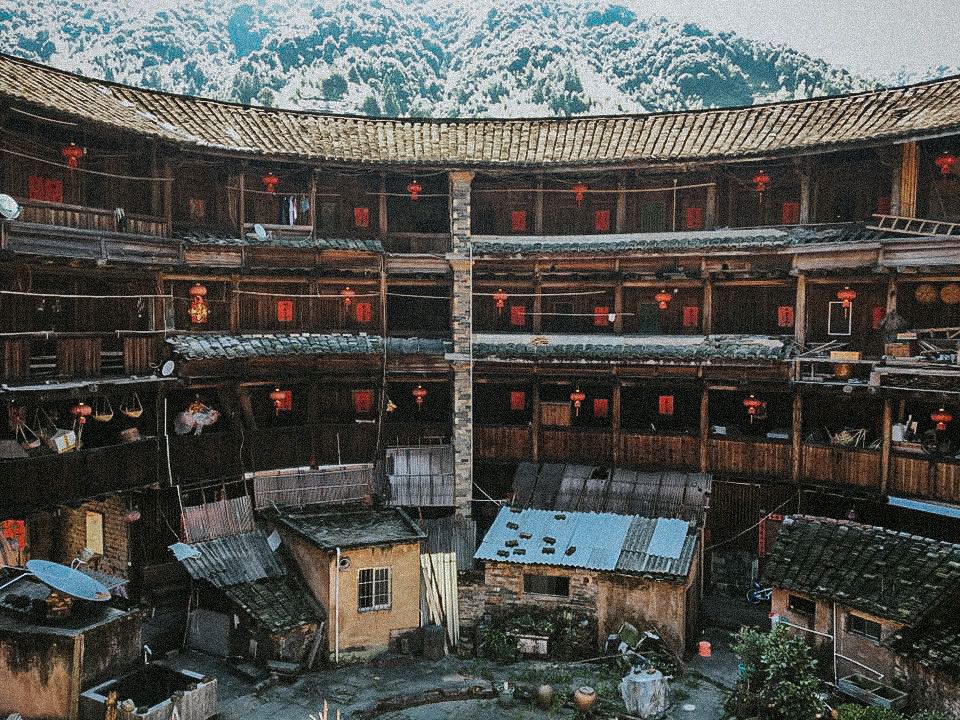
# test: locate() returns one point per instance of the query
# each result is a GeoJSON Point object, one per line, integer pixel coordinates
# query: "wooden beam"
{"type": "Point", "coordinates": [800, 310]}
{"type": "Point", "coordinates": [535, 424]}
{"type": "Point", "coordinates": [618, 308]}
{"type": "Point", "coordinates": [805, 195]}
{"type": "Point", "coordinates": [382, 206]}
{"type": "Point", "coordinates": [537, 324]}
{"type": "Point", "coordinates": [710, 211]}
{"type": "Point", "coordinates": [313, 203]}
{"type": "Point", "coordinates": [704, 429]}
{"type": "Point", "coordinates": [886, 445]}
{"type": "Point", "coordinates": [708, 305]}
{"type": "Point", "coordinates": [796, 437]}
{"type": "Point", "coordinates": [616, 425]}
{"type": "Point", "coordinates": [168, 196]}
{"type": "Point", "coordinates": [621, 218]}
{"type": "Point", "coordinates": [538, 207]}
{"type": "Point", "coordinates": [242, 199]}
{"type": "Point", "coordinates": [234, 305]}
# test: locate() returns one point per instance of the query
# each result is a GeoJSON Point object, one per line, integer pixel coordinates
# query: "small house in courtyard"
{"type": "Point", "coordinates": [879, 606]}
{"type": "Point", "coordinates": [615, 568]}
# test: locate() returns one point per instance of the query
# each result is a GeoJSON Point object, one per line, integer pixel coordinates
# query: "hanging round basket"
{"type": "Point", "coordinates": [102, 409]}
{"type": "Point", "coordinates": [925, 294]}
{"type": "Point", "coordinates": [950, 294]}
{"type": "Point", "coordinates": [132, 407]}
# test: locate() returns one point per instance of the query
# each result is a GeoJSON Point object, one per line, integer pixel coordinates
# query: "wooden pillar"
{"type": "Point", "coordinates": [704, 429]}
{"type": "Point", "coordinates": [616, 425]}
{"type": "Point", "coordinates": [618, 306]}
{"type": "Point", "coordinates": [710, 211]}
{"type": "Point", "coordinates": [891, 293]}
{"type": "Point", "coordinates": [234, 305]}
{"type": "Point", "coordinates": [621, 219]}
{"type": "Point", "coordinates": [538, 208]}
{"type": "Point", "coordinates": [313, 204]}
{"type": "Point", "coordinates": [886, 445]}
{"type": "Point", "coordinates": [242, 200]}
{"type": "Point", "coordinates": [156, 188]}
{"type": "Point", "coordinates": [708, 305]}
{"type": "Point", "coordinates": [383, 298]}
{"type": "Point", "coordinates": [805, 195]}
{"type": "Point", "coordinates": [535, 422]}
{"type": "Point", "coordinates": [796, 438]}
{"type": "Point", "coordinates": [903, 193]}
{"type": "Point", "coordinates": [382, 206]}
{"type": "Point", "coordinates": [168, 196]}
{"type": "Point", "coordinates": [537, 324]}
{"type": "Point", "coordinates": [800, 311]}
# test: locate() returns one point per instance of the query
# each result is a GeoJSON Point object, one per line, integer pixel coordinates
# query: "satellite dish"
{"type": "Point", "coordinates": [68, 581]}
{"type": "Point", "coordinates": [344, 563]}
{"type": "Point", "coordinates": [167, 369]}
{"type": "Point", "coordinates": [9, 208]}
{"type": "Point", "coordinates": [260, 232]}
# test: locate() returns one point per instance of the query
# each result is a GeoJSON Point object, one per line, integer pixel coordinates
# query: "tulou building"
{"type": "Point", "coordinates": [219, 323]}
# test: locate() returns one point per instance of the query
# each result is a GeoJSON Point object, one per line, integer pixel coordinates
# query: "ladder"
{"type": "Point", "coordinates": [914, 226]}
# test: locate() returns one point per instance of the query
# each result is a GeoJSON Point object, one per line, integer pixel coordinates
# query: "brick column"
{"type": "Point", "coordinates": [461, 323]}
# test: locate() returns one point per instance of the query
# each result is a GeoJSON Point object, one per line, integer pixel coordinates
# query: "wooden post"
{"type": "Point", "coordinates": [796, 437]}
{"type": "Point", "coordinates": [616, 426]}
{"type": "Point", "coordinates": [710, 211]}
{"type": "Point", "coordinates": [383, 298]}
{"type": "Point", "coordinates": [313, 204]}
{"type": "Point", "coordinates": [242, 199]}
{"type": "Point", "coordinates": [886, 445]}
{"type": "Point", "coordinates": [892, 293]}
{"type": "Point", "coordinates": [168, 196]}
{"type": "Point", "coordinates": [618, 307]}
{"type": "Point", "coordinates": [382, 206]}
{"type": "Point", "coordinates": [621, 219]}
{"type": "Point", "coordinates": [234, 305]}
{"type": "Point", "coordinates": [156, 188]}
{"type": "Point", "coordinates": [800, 311]}
{"type": "Point", "coordinates": [708, 305]}
{"type": "Point", "coordinates": [704, 429]}
{"type": "Point", "coordinates": [537, 325]}
{"type": "Point", "coordinates": [535, 424]}
{"type": "Point", "coordinates": [903, 193]}
{"type": "Point", "coordinates": [805, 195]}
{"type": "Point", "coordinates": [538, 208]}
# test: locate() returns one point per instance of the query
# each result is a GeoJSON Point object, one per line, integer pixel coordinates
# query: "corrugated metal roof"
{"type": "Point", "coordinates": [352, 527]}
{"type": "Point", "coordinates": [233, 560]}
{"type": "Point", "coordinates": [547, 537]}
{"type": "Point", "coordinates": [668, 537]}
{"type": "Point", "coordinates": [639, 554]}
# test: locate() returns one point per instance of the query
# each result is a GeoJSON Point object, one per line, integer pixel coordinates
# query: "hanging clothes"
{"type": "Point", "coordinates": [292, 210]}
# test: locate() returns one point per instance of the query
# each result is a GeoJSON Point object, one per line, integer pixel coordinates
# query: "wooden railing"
{"type": "Point", "coordinates": [46, 480]}
{"type": "Point", "coordinates": [505, 443]}
{"type": "Point", "coordinates": [841, 466]}
{"type": "Point", "coordinates": [87, 218]}
{"type": "Point", "coordinates": [768, 458]}
{"type": "Point", "coordinates": [920, 476]}
{"type": "Point", "coordinates": [660, 451]}
{"type": "Point", "coordinates": [76, 355]}
{"type": "Point", "coordinates": [417, 243]}
{"type": "Point", "coordinates": [576, 445]}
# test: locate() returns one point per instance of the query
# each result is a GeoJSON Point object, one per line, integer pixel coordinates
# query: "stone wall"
{"type": "Point", "coordinates": [929, 689]}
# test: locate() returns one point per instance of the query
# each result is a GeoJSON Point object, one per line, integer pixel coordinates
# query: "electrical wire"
{"type": "Point", "coordinates": [64, 166]}
{"type": "Point", "coordinates": [758, 523]}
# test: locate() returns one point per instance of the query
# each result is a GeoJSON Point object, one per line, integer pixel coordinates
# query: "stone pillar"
{"type": "Point", "coordinates": [460, 259]}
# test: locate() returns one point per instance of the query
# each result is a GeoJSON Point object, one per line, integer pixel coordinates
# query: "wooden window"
{"type": "Point", "coordinates": [791, 213]}
{"type": "Point", "coordinates": [694, 218]}
{"type": "Point", "coordinates": [361, 217]}
{"type": "Point", "coordinates": [518, 221]}
{"type": "Point", "coordinates": [373, 589]}
{"type": "Point", "coordinates": [284, 310]}
{"type": "Point", "coordinates": [546, 585]}
{"type": "Point", "coordinates": [785, 316]}
{"type": "Point", "coordinates": [601, 316]}
{"type": "Point", "coordinates": [518, 400]}
{"type": "Point", "coordinates": [518, 315]}
{"type": "Point", "coordinates": [691, 316]}
{"type": "Point", "coordinates": [362, 401]}
{"type": "Point", "coordinates": [802, 605]}
{"type": "Point", "coordinates": [364, 312]}
{"type": "Point", "coordinates": [665, 405]}
{"type": "Point", "coordinates": [601, 407]}
{"type": "Point", "coordinates": [94, 532]}
{"type": "Point", "coordinates": [46, 189]}
{"type": "Point", "coordinates": [861, 626]}
{"type": "Point", "coordinates": [601, 221]}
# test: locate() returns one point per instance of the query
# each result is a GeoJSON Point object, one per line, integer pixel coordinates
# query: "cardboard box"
{"type": "Point", "coordinates": [845, 355]}
{"type": "Point", "coordinates": [898, 350]}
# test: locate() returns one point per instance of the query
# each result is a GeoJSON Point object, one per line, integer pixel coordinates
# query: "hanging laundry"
{"type": "Point", "coordinates": [304, 204]}
{"type": "Point", "coordinates": [292, 210]}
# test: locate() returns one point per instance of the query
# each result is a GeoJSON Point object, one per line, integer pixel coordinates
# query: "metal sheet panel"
{"type": "Point", "coordinates": [668, 538]}
{"type": "Point", "coordinates": [232, 560]}
{"type": "Point", "coordinates": [636, 557]}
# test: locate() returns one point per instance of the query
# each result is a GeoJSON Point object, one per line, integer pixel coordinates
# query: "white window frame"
{"type": "Point", "coordinates": [849, 317]}
{"type": "Point", "coordinates": [377, 576]}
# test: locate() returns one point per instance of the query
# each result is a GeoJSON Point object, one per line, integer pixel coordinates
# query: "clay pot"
{"type": "Point", "coordinates": [545, 696]}
{"type": "Point", "coordinates": [584, 698]}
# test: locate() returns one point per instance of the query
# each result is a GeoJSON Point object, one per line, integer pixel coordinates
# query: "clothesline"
{"type": "Point", "coordinates": [309, 296]}
{"type": "Point", "coordinates": [101, 173]}
{"type": "Point", "coordinates": [599, 191]}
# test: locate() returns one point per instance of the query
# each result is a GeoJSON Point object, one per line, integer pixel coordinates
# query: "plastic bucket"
{"type": "Point", "coordinates": [704, 649]}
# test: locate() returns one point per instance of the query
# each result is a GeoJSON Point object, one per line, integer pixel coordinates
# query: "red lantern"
{"type": "Point", "coordinates": [577, 397]}
{"type": "Point", "coordinates": [282, 400]}
{"type": "Point", "coordinates": [579, 192]}
{"type": "Point", "coordinates": [941, 417]}
{"type": "Point", "coordinates": [500, 297]}
{"type": "Point", "coordinates": [753, 406]}
{"type": "Point", "coordinates": [945, 161]}
{"type": "Point", "coordinates": [414, 188]}
{"type": "Point", "coordinates": [419, 394]}
{"type": "Point", "coordinates": [347, 294]}
{"type": "Point", "coordinates": [846, 296]}
{"type": "Point", "coordinates": [199, 312]}
{"type": "Point", "coordinates": [760, 181]}
{"type": "Point", "coordinates": [81, 411]}
{"type": "Point", "coordinates": [270, 182]}
{"type": "Point", "coordinates": [73, 154]}
{"type": "Point", "coordinates": [663, 299]}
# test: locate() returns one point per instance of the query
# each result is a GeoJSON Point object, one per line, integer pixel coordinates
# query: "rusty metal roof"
{"type": "Point", "coordinates": [758, 131]}
{"type": "Point", "coordinates": [234, 559]}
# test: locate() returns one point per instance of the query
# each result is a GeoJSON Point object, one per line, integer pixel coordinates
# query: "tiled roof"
{"type": "Point", "coordinates": [890, 574]}
{"type": "Point", "coordinates": [934, 640]}
{"type": "Point", "coordinates": [724, 238]}
{"type": "Point", "coordinates": [755, 131]}
{"type": "Point", "coordinates": [352, 527]}
{"type": "Point", "coordinates": [592, 541]}
{"type": "Point", "coordinates": [667, 494]}
{"type": "Point", "coordinates": [282, 241]}
{"type": "Point", "coordinates": [693, 348]}
{"type": "Point", "coordinates": [207, 347]}
{"type": "Point", "coordinates": [234, 559]}
{"type": "Point", "coordinates": [278, 604]}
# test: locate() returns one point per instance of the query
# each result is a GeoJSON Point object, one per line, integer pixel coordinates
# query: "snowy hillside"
{"type": "Point", "coordinates": [391, 57]}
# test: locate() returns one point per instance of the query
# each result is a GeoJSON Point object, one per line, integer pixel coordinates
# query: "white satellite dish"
{"type": "Point", "coordinates": [68, 581]}
{"type": "Point", "coordinates": [166, 369]}
{"type": "Point", "coordinates": [9, 208]}
{"type": "Point", "coordinates": [260, 231]}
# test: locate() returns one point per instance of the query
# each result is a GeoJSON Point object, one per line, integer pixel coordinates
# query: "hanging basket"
{"type": "Point", "coordinates": [43, 427]}
{"type": "Point", "coordinates": [950, 294]}
{"type": "Point", "coordinates": [57, 439]}
{"type": "Point", "coordinates": [925, 294]}
{"type": "Point", "coordinates": [102, 409]}
{"type": "Point", "coordinates": [132, 407]}
{"type": "Point", "coordinates": [26, 437]}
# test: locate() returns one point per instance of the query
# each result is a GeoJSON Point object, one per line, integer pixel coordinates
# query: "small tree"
{"type": "Point", "coordinates": [779, 680]}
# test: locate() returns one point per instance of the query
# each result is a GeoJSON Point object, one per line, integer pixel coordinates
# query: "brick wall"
{"type": "Point", "coordinates": [73, 534]}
